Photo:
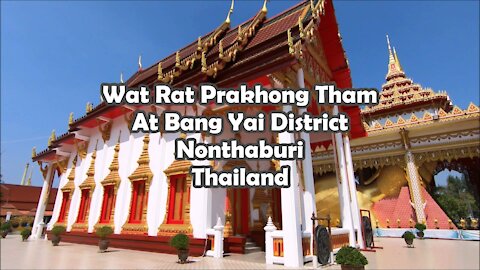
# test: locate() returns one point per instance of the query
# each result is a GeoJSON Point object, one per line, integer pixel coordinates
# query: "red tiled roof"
{"type": "Point", "coordinates": [23, 198]}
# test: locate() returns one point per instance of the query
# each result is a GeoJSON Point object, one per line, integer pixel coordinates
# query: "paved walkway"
{"type": "Point", "coordinates": [427, 254]}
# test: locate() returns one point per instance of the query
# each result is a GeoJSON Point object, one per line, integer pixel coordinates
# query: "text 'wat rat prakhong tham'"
{"type": "Point", "coordinates": [385, 164]}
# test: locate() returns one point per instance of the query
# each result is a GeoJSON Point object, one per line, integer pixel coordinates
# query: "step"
{"type": "Point", "coordinates": [252, 249]}
{"type": "Point", "coordinates": [250, 244]}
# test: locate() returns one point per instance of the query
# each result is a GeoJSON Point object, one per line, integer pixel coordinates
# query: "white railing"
{"type": "Point", "coordinates": [215, 235]}
{"type": "Point", "coordinates": [274, 245]}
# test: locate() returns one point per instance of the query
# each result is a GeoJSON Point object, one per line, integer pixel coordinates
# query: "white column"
{"type": "Point", "coordinates": [345, 209]}
{"type": "Point", "coordinates": [42, 203]}
{"type": "Point", "coordinates": [309, 194]}
{"type": "Point", "coordinates": [353, 192]}
{"type": "Point", "coordinates": [291, 209]}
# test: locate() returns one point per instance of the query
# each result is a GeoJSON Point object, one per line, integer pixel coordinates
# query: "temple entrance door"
{"type": "Point", "coordinates": [240, 211]}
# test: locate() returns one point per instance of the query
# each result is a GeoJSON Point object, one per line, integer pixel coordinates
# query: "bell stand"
{"type": "Point", "coordinates": [314, 253]}
{"type": "Point", "coordinates": [373, 247]}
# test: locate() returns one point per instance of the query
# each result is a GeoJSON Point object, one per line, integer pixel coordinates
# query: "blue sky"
{"type": "Point", "coordinates": [55, 54]}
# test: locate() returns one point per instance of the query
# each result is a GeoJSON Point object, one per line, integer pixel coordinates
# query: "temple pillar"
{"type": "Point", "coordinates": [413, 179]}
{"type": "Point", "coordinates": [346, 213]}
{"type": "Point", "coordinates": [308, 180]}
{"type": "Point", "coordinates": [291, 209]}
{"type": "Point", "coordinates": [353, 191]}
{"type": "Point", "coordinates": [42, 202]}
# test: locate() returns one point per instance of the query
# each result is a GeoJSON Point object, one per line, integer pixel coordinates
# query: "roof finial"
{"type": "Point", "coordinates": [52, 138]}
{"type": "Point", "coordinates": [29, 180]}
{"type": "Point", "coordinates": [121, 77]}
{"type": "Point", "coordinates": [264, 8]}
{"type": "Point", "coordinates": [390, 54]}
{"type": "Point", "coordinates": [24, 174]}
{"type": "Point", "coordinates": [177, 59]}
{"type": "Point", "coordinates": [159, 71]}
{"type": "Point", "coordinates": [140, 62]}
{"type": "Point", "coordinates": [396, 59]}
{"type": "Point", "coordinates": [70, 119]}
{"type": "Point", "coordinates": [227, 20]}
{"type": "Point", "coordinates": [394, 67]}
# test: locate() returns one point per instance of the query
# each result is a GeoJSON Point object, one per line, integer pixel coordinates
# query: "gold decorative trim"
{"type": "Point", "coordinates": [113, 178]}
{"type": "Point", "coordinates": [70, 185]}
{"type": "Point", "coordinates": [81, 148]}
{"type": "Point", "coordinates": [105, 131]}
{"type": "Point", "coordinates": [142, 172]}
{"type": "Point", "coordinates": [178, 167]}
{"type": "Point", "coordinates": [455, 114]}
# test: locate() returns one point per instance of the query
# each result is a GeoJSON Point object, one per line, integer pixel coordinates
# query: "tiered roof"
{"type": "Point", "coordinates": [230, 56]}
{"type": "Point", "coordinates": [400, 94]}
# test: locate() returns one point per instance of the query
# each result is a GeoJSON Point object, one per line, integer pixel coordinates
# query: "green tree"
{"type": "Point", "coordinates": [456, 199]}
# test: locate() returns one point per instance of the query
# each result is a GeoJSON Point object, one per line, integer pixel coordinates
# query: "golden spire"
{"type": "Point", "coordinates": [396, 59]}
{"type": "Point", "coordinates": [390, 54]}
{"type": "Point", "coordinates": [52, 138]}
{"type": "Point", "coordinates": [89, 182]}
{"type": "Point", "coordinates": [264, 8]}
{"type": "Point", "coordinates": [393, 64]}
{"type": "Point", "coordinates": [24, 174]}
{"type": "Point", "coordinates": [140, 62]}
{"type": "Point", "coordinates": [143, 171]}
{"type": "Point", "coordinates": [29, 181]}
{"type": "Point", "coordinates": [160, 72]}
{"type": "Point", "coordinates": [227, 20]}
{"type": "Point", "coordinates": [34, 152]}
{"type": "Point", "coordinates": [70, 119]}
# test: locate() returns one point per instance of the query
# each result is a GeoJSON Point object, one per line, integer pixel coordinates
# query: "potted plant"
{"type": "Point", "coordinates": [56, 232]}
{"type": "Point", "coordinates": [180, 242]}
{"type": "Point", "coordinates": [5, 228]}
{"type": "Point", "coordinates": [103, 233]}
{"type": "Point", "coordinates": [420, 228]}
{"type": "Point", "coordinates": [26, 233]}
{"type": "Point", "coordinates": [350, 258]}
{"type": "Point", "coordinates": [408, 236]}
{"type": "Point", "coordinates": [14, 223]}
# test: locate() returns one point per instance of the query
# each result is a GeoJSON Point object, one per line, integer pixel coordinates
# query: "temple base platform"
{"type": "Point", "coordinates": [160, 244]}
{"type": "Point", "coordinates": [432, 234]}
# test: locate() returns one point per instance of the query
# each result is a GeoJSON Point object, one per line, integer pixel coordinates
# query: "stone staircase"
{"type": "Point", "coordinates": [251, 246]}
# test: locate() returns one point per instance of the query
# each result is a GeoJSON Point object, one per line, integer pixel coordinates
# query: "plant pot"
{"type": "Point", "coordinates": [4, 234]}
{"type": "Point", "coordinates": [351, 267]}
{"type": "Point", "coordinates": [182, 255]}
{"type": "Point", "coordinates": [409, 242]}
{"type": "Point", "coordinates": [420, 234]}
{"type": "Point", "coordinates": [55, 240]}
{"type": "Point", "coordinates": [103, 245]}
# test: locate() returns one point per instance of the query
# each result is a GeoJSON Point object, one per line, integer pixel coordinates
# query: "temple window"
{"type": "Point", "coordinates": [137, 201]}
{"type": "Point", "coordinates": [107, 203]}
{"type": "Point", "coordinates": [64, 207]}
{"type": "Point", "coordinates": [177, 196]}
{"type": "Point", "coordinates": [177, 216]}
{"type": "Point", "coordinates": [110, 185]}
{"type": "Point", "coordinates": [84, 205]}
{"type": "Point", "coordinates": [140, 183]}
{"type": "Point", "coordinates": [67, 191]}
{"type": "Point", "coordinates": [86, 190]}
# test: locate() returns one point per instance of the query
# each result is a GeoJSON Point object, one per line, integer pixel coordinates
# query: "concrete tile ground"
{"type": "Point", "coordinates": [427, 254]}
